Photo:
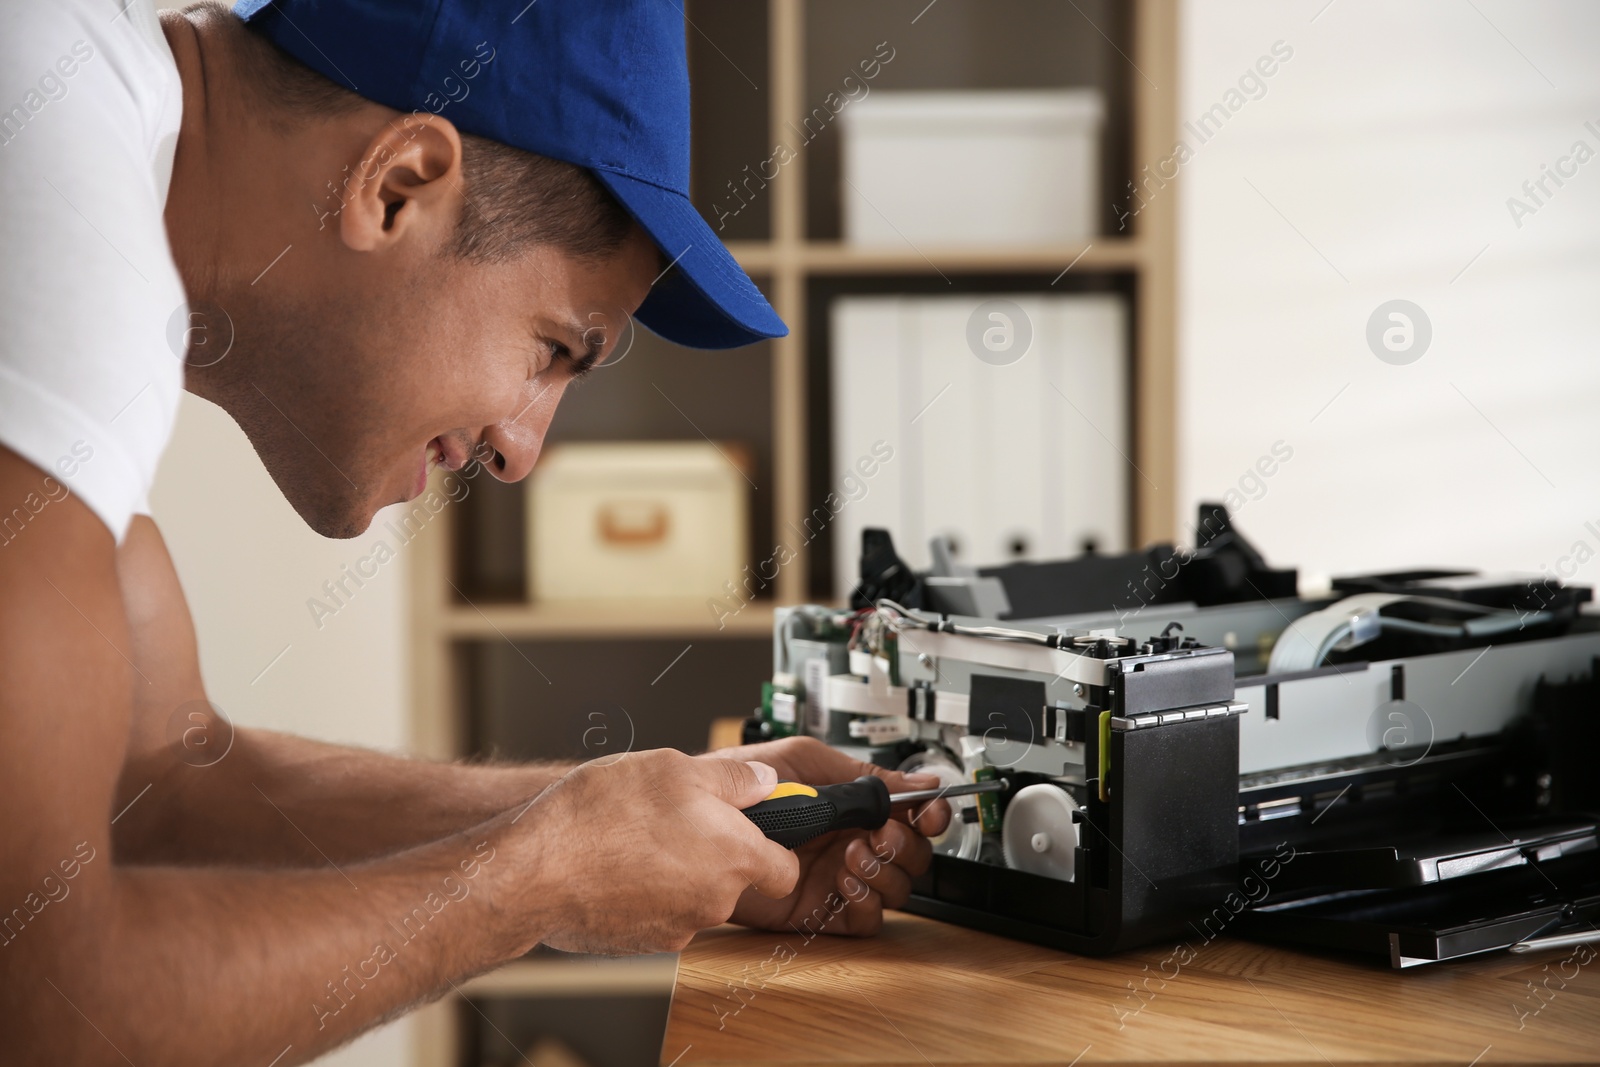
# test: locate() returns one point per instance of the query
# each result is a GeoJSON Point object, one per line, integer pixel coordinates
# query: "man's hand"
{"type": "Point", "coordinates": [643, 851]}
{"type": "Point", "coordinates": [847, 877]}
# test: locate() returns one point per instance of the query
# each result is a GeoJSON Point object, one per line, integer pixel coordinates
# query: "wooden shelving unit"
{"type": "Point", "coordinates": [835, 257]}
{"type": "Point", "coordinates": [787, 263]}
{"type": "Point", "coordinates": [533, 622]}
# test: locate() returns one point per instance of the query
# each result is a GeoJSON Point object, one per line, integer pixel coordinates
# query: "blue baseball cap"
{"type": "Point", "coordinates": [603, 84]}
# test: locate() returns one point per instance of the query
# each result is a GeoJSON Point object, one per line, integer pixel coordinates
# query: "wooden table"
{"type": "Point", "coordinates": [924, 992]}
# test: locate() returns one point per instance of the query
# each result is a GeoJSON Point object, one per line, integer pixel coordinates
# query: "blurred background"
{"type": "Point", "coordinates": [1056, 271]}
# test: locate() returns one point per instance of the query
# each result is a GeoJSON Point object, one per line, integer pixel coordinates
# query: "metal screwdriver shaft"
{"type": "Point", "coordinates": [917, 796]}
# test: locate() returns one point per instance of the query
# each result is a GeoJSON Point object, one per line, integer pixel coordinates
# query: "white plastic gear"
{"type": "Point", "coordinates": [963, 840]}
{"type": "Point", "coordinates": [1038, 835]}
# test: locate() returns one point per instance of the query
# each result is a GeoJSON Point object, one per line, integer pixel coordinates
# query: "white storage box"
{"type": "Point", "coordinates": [967, 168]}
{"type": "Point", "coordinates": [629, 521]}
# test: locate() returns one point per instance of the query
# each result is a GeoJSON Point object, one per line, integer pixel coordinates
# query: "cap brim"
{"type": "Point", "coordinates": [705, 300]}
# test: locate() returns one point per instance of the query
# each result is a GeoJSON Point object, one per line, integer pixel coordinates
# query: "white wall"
{"type": "Point", "coordinates": [1390, 141]}
{"type": "Point", "coordinates": [248, 566]}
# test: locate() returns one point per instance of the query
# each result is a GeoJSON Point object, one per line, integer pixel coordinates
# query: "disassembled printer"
{"type": "Point", "coordinates": [1404, 767]}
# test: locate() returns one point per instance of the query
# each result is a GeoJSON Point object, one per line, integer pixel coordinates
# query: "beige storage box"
{"type": "Point", "coordinates": [623, 521]}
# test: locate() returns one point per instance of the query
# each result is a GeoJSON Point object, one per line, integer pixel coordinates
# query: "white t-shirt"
{"type": "Point", "coordinates": [92, 309]}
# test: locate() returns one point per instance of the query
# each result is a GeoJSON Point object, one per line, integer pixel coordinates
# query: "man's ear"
{"type": "Point", "coordinates": [408, 183]}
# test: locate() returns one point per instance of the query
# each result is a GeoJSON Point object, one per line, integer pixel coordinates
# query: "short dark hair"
{"type": "Point", "coordinates": [514, 198]}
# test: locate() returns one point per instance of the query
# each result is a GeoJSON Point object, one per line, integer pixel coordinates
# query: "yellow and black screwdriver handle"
{"type": "Point", "coordinates": [793, 813]}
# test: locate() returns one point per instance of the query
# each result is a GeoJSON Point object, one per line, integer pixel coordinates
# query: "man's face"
{"type": "Point", "coordinates": [352, 383]}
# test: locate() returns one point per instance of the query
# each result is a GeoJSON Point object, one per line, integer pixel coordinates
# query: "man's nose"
{"type": "Point", "coordinates": [517, 439]}
{"type": "Point", "coordinates": [514, 451]}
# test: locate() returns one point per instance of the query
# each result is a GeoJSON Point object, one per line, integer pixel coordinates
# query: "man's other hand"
{"type": "Point", "coordinates": [846, 877]}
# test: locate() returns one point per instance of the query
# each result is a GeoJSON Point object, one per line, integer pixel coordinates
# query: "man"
{"type": "Point", "coordinates": [423, 219]}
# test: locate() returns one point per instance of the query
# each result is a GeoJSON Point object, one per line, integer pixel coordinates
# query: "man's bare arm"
{"type": "Point", "coordinates": [107, 961]}
{"type": "Point", "coordinates": [199, 795]}
{"type": "Point", "coordinates": [281, 800]}
{"type": "Point", "coordinates": [202, 792]}
{"type": "Point", "coordinates": [110, 963]}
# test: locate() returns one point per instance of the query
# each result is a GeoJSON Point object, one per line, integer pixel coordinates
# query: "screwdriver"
{"type": "Point", "coordinates": [794, 813]}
